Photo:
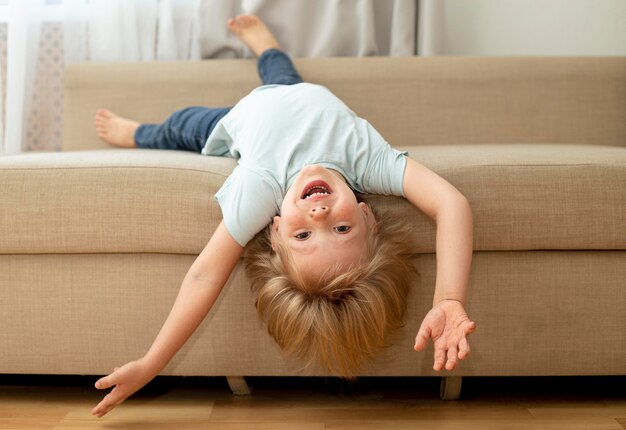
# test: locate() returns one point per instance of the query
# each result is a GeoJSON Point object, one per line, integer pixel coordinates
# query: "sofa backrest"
{"type": "Point", "coordinates": [410, 100]}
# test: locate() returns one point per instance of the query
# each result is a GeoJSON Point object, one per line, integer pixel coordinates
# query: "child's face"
{"type": "Point", "coordinates": [322, 223]}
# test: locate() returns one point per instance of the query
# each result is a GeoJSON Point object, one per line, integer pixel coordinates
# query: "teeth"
{"type": "Point", "coordinates": [317, 193]}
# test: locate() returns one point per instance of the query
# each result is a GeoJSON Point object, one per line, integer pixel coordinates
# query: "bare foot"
{"type": "Point", "coordinates": [253, 32]}
{"type": "Point", "coordinates": [114, 129]}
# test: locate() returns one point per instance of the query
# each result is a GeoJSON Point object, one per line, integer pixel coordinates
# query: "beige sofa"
{"type": "Point", "coordinates": [94, 242]}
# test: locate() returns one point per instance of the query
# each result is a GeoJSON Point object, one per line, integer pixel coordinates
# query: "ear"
{"type": "Point", "coordinates": [369, 217]}
{"type": "Point", "coordinates": [275, 225]}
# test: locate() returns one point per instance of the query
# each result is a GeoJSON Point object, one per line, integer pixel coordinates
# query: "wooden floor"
{"type": "Point", "coordinates": [318, 403]}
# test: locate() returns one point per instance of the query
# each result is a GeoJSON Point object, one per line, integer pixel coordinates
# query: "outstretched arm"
{"type": "Point", "coordinates": [199, 291]}
{"type": "Point", "coordinates": [447, 323]}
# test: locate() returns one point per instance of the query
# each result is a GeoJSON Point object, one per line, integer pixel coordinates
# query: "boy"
{"type": "Point", "coordinates": [335, 282]}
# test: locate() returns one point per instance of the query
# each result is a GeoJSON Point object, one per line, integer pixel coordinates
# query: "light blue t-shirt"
{"type": "Point", "coordinates": [277, 130]}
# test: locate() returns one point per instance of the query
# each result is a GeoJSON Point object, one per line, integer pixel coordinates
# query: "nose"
{"type": "Point", "coordinates": [318, 212]}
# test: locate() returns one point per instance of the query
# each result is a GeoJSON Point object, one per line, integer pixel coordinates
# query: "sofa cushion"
{"type": "Point", "coordinates": [524, 197]}
{"type": "Point", "coordinates": [109, 201]}
{"type": "Point", "coordinates": [537, 197]}
{"type": "Point", "coordinates": [436, 100]}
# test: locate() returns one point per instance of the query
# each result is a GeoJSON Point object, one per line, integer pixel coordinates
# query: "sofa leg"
{"type": "Point", "coordinates": [450, 388]}
{"type": "Point", "coordinates": [238, 385]}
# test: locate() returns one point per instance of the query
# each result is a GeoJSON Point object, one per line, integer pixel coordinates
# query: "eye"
{"type": "Point", "coordinates": [343, 229]}
{"type": "Point", "coordinates": [303, 236]}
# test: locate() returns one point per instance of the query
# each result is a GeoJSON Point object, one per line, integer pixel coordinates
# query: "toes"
{"type": "Point", "coordinates": [233, 25]}
{"type": "Point", "coordinates": [104, 113]}
{"type": "Point", "coordinates": [245, 21]}
{"type": "Point", "coordinates": [102, 117]}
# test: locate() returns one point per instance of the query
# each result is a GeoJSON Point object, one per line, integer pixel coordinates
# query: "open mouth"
{"type": "Point", "coordinates": [316, 189]}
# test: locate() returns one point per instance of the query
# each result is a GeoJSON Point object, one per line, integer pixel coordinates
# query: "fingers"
{"type": "Point", "coordinates": [450, 354]}
{"type": "Point", "coordinates": [470, 327]}
{"type": "Point", "coordinates": [421, 340]}
{"type": "Point", "coordinates": [448, 359]}
{"type": "Point", "coordinates": [109, 402]}
{"type": "Point", "coordinates": [452, 358]}
{"type": "Point", "coordinates": [464, 349]}
{"type": "Point", "coordinates": [449, 348]}
{"type": "Point", "coordinates": [112, 399]}
{"type": "Point", "coordinates": [106, 382]}
{"type": "Point", "coordinates": [440, 358]}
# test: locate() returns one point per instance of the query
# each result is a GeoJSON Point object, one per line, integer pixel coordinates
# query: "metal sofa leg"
{"type": "Point", "coordinates": [238, 385]}
{"type": "Point", "coordinates": [450, 388]}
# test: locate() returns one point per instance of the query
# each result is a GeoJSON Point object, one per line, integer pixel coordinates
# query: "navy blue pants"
{"type": "Point", "coordinates": [188, 129]}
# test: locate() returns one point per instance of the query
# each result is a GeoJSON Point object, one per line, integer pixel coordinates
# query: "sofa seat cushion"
{"type": "Point", "coordinates": [109, 201]}
{"type": "Point", "coordinates": [524, 197]}
{"type": "Point", "coordinates": [535, 197]}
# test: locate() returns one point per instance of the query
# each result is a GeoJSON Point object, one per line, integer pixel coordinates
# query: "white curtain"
{"type": "Point", "coordinates": [38, 38]}
{"type": "Point", "coordinates": [319, 28]}
{"type": "Point", "coordinates": [430, 27]}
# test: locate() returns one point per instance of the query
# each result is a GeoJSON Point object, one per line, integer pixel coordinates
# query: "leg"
{"type": "Point", "coordinates": [187, 129]}
{"type": "Point", "coordinates": [274, 65]}
{"type": "Point", "coordinates": [450, 388]}
{"type": "Point", "coordinates": [238, 385]}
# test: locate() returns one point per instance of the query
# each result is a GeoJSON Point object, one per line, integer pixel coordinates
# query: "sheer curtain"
{"type": "Point", "coordinates": [38, 38]}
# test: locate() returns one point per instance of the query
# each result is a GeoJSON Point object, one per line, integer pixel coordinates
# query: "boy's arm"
{"type": "Point", "coordinates": [447, 323]}
{"type": "Point", "coordinates": [438, 199]}
{"type": "Point", "coordinates": [199, 291]}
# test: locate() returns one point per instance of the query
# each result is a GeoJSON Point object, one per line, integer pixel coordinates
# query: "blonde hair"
{"type": "Point", "coordinates": [340, 322]}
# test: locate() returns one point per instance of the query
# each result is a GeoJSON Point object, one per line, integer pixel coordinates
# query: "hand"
{"type": "Point", "coordinates": [127, 380]}
{"type": "Point", "coordinates": [448, 325]}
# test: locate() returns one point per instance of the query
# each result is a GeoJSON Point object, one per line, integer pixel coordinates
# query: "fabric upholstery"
{"type": "Point", "coordinates": [428, 101]}
{"type": "Point", "coordinates": [523, 197]}
{"type": "Point", "coordinates": [85, 313]}
{"type": "Point", "coordinates": [94, 244]}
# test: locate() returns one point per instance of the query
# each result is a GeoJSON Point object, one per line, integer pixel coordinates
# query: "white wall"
{"type": "Point", "coordinates": [529, 27]}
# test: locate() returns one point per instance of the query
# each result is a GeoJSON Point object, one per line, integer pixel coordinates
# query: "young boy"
{"type": "Point", "coordinates": [334, 281]}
